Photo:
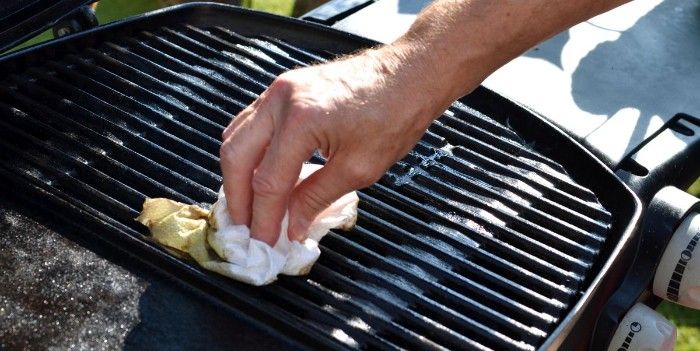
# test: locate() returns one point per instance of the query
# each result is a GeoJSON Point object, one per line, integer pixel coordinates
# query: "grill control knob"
{"type": "Point", "coordinates": [643, 329]}
{"type": "Point", "coordinates": [678, 277]}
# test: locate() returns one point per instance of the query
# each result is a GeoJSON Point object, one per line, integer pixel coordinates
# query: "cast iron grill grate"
{"type": "Point", "coordinates": [473, 241]}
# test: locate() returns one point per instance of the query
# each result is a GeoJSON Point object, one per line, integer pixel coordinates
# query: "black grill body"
{"type": "Point", "coordinates": [496, 232]}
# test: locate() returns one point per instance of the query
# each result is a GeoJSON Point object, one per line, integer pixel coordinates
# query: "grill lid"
{"type": "Point", "coordinates": [478, 239]}
{"type": "Point", "coordinates": [22, 19]}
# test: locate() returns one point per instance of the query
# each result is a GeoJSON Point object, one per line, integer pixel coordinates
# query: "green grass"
{"type": "Point", "coordinates": [687, 320]}
{"type": "Point", "coordinates": [688, 323]}
{"type": "Point", "coordinates": [695, 188]}
{"type": "Point", "coordinates": [111, 10]}
{"type": "Point", "coordinates": [280, 7]}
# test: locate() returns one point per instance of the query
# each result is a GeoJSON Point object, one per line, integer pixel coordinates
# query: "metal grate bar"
{"type": "Point", "coordinates": [127, 122]}
{"type": "Point", "coordinates": [240, 65]}
{"type": "Point", "coordinates": [536, 234]}
{"type": "Point", "coordinates": [242, 53]}
{"type": "Point", "coordinates": [298, 52]}
{"type": "Point", "coordinates": [204, 60]}
{"type": "Point", "coordinates": [475, 256]}
{"type": "Point", "coordinates": [100, 143]}
{"type": "Point", "coordinates": [426, 277]}
{"type": "Point", "coordinates": [180, 125]}
{"type": "Point", "coordinates": [342, 288]}
{"type": "Point", "coordinates": [442, 270]}
{"type": "Point", "coordinates": [587, 227]}
{"type": "Point", "coordinates": [164, 90]}
{"type": "Point", "coordinates": [456, 137]}
{"type": "Point", "coordinates": [119, 134]}
{"type": "Point", "coordinates": [585, 207]}
{"type": "Point", "coordinates": [375, 287]}
{"type": "Point", "coordinates": [189, 85]}
{"type": "Point", "coordinates": [78, 150]}
{"type": "Point", "coordinates": [167, 105]}
{"type": "Point", "coordinates": [505, 188]}
{"type": "Point", "coordinates": [469, 220]}
{"type": "Point", "coordinates": [265, 48]}
{"type": "Point", "coordinates": [397, 280]}
{"type": "Point", "coordinates": [506, 145]}
{"type": "Point", "coordinates": [44, 170]}
{"type": "Point", "coordinates": [461, 114]}
{"type": "Point", "coordinates": [506, 195]}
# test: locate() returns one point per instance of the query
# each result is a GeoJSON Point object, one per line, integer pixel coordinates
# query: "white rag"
{"type": "Point", "coordinates": [220, 246]}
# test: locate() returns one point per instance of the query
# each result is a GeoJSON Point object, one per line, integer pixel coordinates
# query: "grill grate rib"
{"type": "Point", "coordinates": [473, 241]}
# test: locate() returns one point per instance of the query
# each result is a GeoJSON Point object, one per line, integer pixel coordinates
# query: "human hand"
{"type": "Point", "coordinates": [363, 113]}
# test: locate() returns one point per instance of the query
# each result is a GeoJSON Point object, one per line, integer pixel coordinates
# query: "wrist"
{"type": "Point", "coordinates": [416, 79]}
{"type": "Point", "coordinates": [441, 69]}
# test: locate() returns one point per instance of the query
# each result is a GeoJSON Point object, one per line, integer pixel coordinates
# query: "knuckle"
{"type": "Point", "coordinates": [227, 150]}
{"type": "Point", "coordinates": [361, 175]}
{"type": "Point", "coordinates": [283, 82]}
{"type": "Point", "coordinates": [298, 113]}
{"type": "Point", "coordinates": [224, 134]}
{"type": "Point", "coordinates": [264, 184]}
{"type": "Point", "coordinates": [312, 202]}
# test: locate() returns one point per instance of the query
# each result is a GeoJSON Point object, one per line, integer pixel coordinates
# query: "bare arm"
{"type": "Point", "coordinates": [367, 111]}
{"type": "Point", "coordinates": [466, 40]}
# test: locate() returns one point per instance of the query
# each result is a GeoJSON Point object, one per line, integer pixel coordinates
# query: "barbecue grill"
{"type": "Point", "coordinates": [496, 232]}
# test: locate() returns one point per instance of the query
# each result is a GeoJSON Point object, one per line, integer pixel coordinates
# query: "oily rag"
{"type": "Point", "coordinates": [215, 243]}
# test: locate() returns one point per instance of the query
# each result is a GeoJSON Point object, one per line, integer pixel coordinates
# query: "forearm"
{"type": "Point", "coordinates": [456, 44]}
{"type": "Point", "coordinates": [367, 111]}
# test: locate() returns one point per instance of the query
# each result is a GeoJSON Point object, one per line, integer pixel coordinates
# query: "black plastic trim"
{"type": "Point", "coordinates": [666, 212]}
{"type": "Point", "coordinates": [335, 10]}
{"type": "Point", "coordinates": [669, 157]}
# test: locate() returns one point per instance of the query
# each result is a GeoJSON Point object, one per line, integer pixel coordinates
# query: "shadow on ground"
{"type": "Point", "coordinates": [653, 67]}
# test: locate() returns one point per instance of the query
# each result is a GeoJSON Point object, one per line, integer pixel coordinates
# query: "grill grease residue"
{"type": "Point", "coordinates": [472, 241]}
{"type": "Point", "coordinates": [93, 306]}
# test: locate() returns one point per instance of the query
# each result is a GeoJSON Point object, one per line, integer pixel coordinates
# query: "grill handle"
{"type": "Point", "coordinates": [335, 10]}
{"type": "Point", "coordinates": [667, 158]}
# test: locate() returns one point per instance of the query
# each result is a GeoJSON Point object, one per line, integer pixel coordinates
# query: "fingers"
{"type": "Point", "coordinates": [275, 178]}
{"type": "Point", "coordinates": [240, 154]}
{"type": "Point", "coordinates": [241, 117]}
{"type": "Point", "coordinates": [319, 191]}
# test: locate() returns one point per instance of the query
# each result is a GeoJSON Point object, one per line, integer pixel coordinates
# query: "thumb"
{"type": "Point", "coordinates": [315, 194]}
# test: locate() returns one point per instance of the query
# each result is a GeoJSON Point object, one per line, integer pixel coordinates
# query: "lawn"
{"type": "Point", "coordinates": [280, 7]}
{"type": "Point", "coordinates": [110, 10]}
{"type": "Point", "coordinates": [687, 320]}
